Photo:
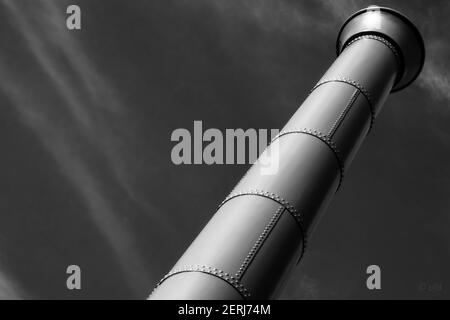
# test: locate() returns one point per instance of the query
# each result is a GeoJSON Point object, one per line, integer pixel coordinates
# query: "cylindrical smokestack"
{"type": "Point", "coordinates": [259, 231]}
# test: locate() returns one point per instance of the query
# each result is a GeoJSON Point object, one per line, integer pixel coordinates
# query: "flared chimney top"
{"type": "Point", "coordinates": [396, 29]}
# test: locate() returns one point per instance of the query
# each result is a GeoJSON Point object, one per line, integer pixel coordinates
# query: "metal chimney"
{"type": "Point", "coordinates": [259, 232]}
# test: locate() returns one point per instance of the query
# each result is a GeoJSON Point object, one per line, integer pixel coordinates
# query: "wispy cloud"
{"type": "Point", "coordinates": [341, 10]}
{"type": "Point", "coordinates": [294, 17]}
{"type": "Point", "coordinates": [436, 81]}
{"type": "Point", "coordinates": [435, 74]}
{"type": "Point", "coordinates": [88, 116]}
{"type": "Point", "coordinates": [308, 288]}
{"type": "Point", "coordinates": [299, 17]}
{"type": "Point", "coordinates": [9, 289]}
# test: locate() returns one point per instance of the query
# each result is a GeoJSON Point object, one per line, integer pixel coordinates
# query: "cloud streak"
{"type": "Point", "coordinates": [9, 289]}
{"type": "Point", "coordinates": [271, 15]}
{"type": "Point", "coordinates": [88, 116]}
{"type": "Point", "coordinates": [435, 74]}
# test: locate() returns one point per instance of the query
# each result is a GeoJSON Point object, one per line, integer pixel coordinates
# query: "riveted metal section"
{"type": "Point", "coordinates": [324, 138]}
{"type": "Point", "coordinates": [344, 112]}
{"type": "Point", "coordinates": [286, 205]}
{"type": "Point", "coordinates": [384, 41]}
{"type": "Point", "coordinates": [358, 86]}
{"type": "Point", "coordinates": [294, 212]}
{"type": "Point", "coordinates": [259, 242]}
{"type": "Point", "coordinates": [235, 283]}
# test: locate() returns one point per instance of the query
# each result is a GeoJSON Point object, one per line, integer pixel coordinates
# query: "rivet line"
{"type": "Point", "coordinates": [324, 138]}
{"type": "Point", "coordinates": [259, 242]}
{"type": "Point", "coordinates": [344, 112]}
{"type": "Point", "coordinates": [230, 279]}
{"type": "Point", "coordinates": [292, 210]}
{"type": "Point", "coordinates": [358, 86]}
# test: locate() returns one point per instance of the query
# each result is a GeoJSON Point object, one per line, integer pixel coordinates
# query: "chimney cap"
{"type": "Point", "coordinates": [397, 29]}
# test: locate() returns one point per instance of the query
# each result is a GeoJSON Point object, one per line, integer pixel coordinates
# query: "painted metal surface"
{"type": "Point", "coordinates": [259, 232]}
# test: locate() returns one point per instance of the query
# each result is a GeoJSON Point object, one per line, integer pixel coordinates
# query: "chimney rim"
{"type": "Point", "coordinates": [404, 81]}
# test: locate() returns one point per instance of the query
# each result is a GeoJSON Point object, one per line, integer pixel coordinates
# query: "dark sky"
{"type": "Point", "coordinates": [85, 122]}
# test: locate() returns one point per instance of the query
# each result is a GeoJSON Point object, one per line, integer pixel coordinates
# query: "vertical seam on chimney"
{"type": "Point", "coordinates": [259, 242]}
{"type": "Point", "coordinates": [358, 86]}
{"type": "Point", "coordinates": [344, 112]}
